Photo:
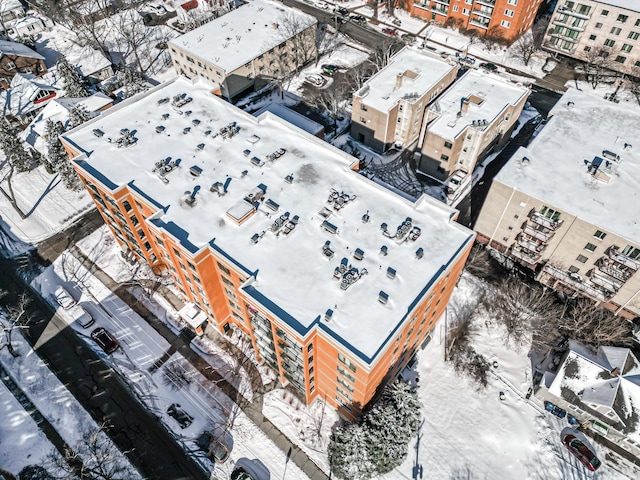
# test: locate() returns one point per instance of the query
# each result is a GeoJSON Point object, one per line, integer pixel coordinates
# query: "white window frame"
{"type": "Point", "coordinates": [505, 24]}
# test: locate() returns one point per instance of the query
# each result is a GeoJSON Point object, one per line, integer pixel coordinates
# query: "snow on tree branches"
{"type": "Point", "coordinates": [74, 84]}
{"type": "Point", "coordinates": [131, 82]}
{"type": "Point", "coordinates": [380, 441]}
{"type": "Point", "coordinates": [57, 159]}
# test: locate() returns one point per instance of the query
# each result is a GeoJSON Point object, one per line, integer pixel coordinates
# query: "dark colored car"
{"type": "Point", "coordinates": [246, 469]}
{"type": "Point", "coordinates": [491, 67]}
{"type": "Point", "coordinates": [572, 420]}
{"type": "Point", "coordinates": [329, 69]}
{"type": "Point", "coordinates": [217, 446]}
{"type": "Point", "coordinates": [338, 19]}
{"type": "Point", "coordinates": [107, 342]}
{"type": "Point", "coordinates": [341, 11]}
{"type": "Point", "coordinates": [359, 19]}
{"type": "Point", "coordinates": [582, 452]}
{"type": "Point", "coordinates": [554, 409]}
{"type": "Point", "coordinates": [408, 37]}
{"type": "Point", "coordinates": [179, 415]}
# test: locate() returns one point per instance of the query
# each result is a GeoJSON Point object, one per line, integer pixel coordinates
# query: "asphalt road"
{"type": "Point", "coordinates": [133, 429]}
{"type": "Point", "coordinates": [54, 246]}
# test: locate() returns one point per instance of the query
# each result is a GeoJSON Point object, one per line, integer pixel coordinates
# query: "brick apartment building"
{"type": "Point", "coordinates": [507, 19]}
{"type": "Point", "coordinates": [18, 58]}
{"type": "Point", "coordinates": [563, 207]}
{"type": "Point", "coordinates": [274, 235]}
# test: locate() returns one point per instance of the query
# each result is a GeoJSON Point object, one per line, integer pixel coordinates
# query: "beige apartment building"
{"type": "Point", "coordinates": [564, 207]}
{"type": "Point", "coordinates": [389, 109]}
{"type": "Point", "coordinates": [247, 47]}
{"type": "Point", "coordinates": [474, 116]}
{"type": "Point", "coordinates": [588, 29]}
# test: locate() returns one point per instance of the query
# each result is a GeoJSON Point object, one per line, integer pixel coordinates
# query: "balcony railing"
{"type": "Point", "coordinates": [525, 256]}
{"type": "Point", "coordinates": [487, 2]}
{"type": "Point", "coordinates": [574, 14]}
{"type": "Point", "coordinates": [479, 23]}
{"type": "Point", "coordinates": [445, 2]}
{"type": "Point", "coordinates": [539, 234]}
{"type": "Point", "coordinates": [574, 281]}
{"type": "Point", "coordinates": [605, 281]}
{"type": "Point", "coordinates": [615, 254]}
{"type": "Point", "coordinates": [530, 245]}
{"type": "Point", "coordinates": [565, 23]}
{"type": "Point", "coordinates": [550, 223]}
{"type": "Point", "coordinates": [484, 11]}
{"type": "Point", "coordinates": [609, 267]}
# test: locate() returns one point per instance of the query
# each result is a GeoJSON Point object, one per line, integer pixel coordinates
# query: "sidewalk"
{"type": "Point", "coordinates": [181, 343]}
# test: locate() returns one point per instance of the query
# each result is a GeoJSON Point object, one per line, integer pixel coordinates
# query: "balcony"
{"type": "Point", "coordinates": [444, 2]}
{"type": "Point", "coordinates": [615, 255]}
{"type": "Point", "coordinates": [479, 23]}
{"type": "Point", "coordinates": [529, 244]}
{"type": "Point", "coordinates": [608, 266]}
{"type": "Point", "coordinates": [606, 282]}
{"type": "Point", "coordinates": [567, 24]}
{"type": "Point", "coordinates": [537, 234]}
{"type": "Point", "coordinates": [525, 256]}
{"type": "Point", "coordinates": [484, 11]}
{"type": "Point", "coordinates": [550, 223]}
{"type": "Point", "coordinates": [574, 281]}
{"type": "Point", "coordinates": [440, 10]}
{"type": "Point", "coordinates": [491, 3]}
{"type": "Point", "coordinates": [584, 16]}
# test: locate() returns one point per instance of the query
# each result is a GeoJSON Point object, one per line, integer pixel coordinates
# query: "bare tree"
{"type": "Point", "coordinates": [95, 458]}
{"type": "Point", "coordinates": [460, 329]}
{"type": "Point", "coordinates": [176, 374]}
{"type": "Point", "coordinates": [383, 51]}
{"type": "Point", "coordinates": [526, 47]}
{"type": "Point", "coordinates": [300, 39]}
{"type": "Point", "coordinates": [599, 61]}
{"type": "Point", "coordinates": [595, 325]}
{"type": "Point", "coordinates": [332, 99]}
{"type": "Point", "coordinates": [134, 33]}
{"type": "Point", "coordinates": [15, 317]}
{"type": "Point", "coordinates": [480, 264]}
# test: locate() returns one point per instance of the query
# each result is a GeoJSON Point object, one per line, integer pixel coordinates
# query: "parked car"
{"type": "Point", "coordinates": [490, 67]}
{"type": "Point", "coordinates": [390, 31]}
{"type": "Point", "coordinates": [408, 38]}
{"type": "Point", "coordinates": [339, 19]}
{"type": "Point", "coordinates": [105, 340]}
{"type": "Point", "coordinates": [217, 444]}
{"type": "Point", "coordinates": [572, 420]}
{"type": "Point", "coordinates": [554, 409]}
{"type": "Point", "coordinates": [179, 415]}
{"type": "Point", "coordinates": [315, 80]}
{"type": "Point", "coordinates": [84, 318]}
{"type": "Point", "coordinates": [323, 5]}
{"type": "Point", "coordinates": [329, 69]}
{"type": "Point", "coordinates": [64, 298]}
{"type": "Point", "coordinates": [359, 19]}
{"type": "Point", "coordinates": [246, 469]}
{"type": "Point", "coordinates": [468, 60]}
{"type": "Point", "coordinates": [581, 451]}
{"type": "Point", "coordinates": [341, 11]}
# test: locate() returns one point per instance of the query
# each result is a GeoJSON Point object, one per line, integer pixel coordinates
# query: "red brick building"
{"type": "Point", "coordinates": [18, 58]}
{"type": "Point", "coordinates": [507, 19]}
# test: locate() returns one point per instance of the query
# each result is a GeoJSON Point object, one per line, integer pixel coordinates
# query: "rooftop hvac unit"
{"type": "Point", "coordinates": [384, 250]}
{"type": "Point", "coordinates": [195, 170]}
{"type": "Point", "coordinates": [329, 227]}
{"type": "Point", "coordinates": [160, 129]}
{"type": "Point", "coordinates": [358, 254]}
{"type": "Point", "coordinates": [366, 218]}
{"type": "Point", "coordinates": [419, 253]}
{"type": "Point", "coordinates": [97, 132]}
{"type": "Point", "coordinates": [328, 315]}
{"type": "Point", "coordinates": [383, 297]}
{"type": "Point", "coordinates": [289, 178]}
{"type": "Point", "coordinates": [391, 272]}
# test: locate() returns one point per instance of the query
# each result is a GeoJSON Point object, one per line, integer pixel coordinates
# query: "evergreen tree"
{"type": "Point", "coordinates": [131, 82]}
{"type": "Point", "coordinates": [78, 114]}
{"type": "Point", "coordinates": [57, 159]}
{"type": "Point", "coordinates": [18, 160]}
{"type": "Point", "coordinates": [35, 472]}
{"type": "Point", "coordinates": [349, 452]}
{"type": "Point", "coordinates": [74, 84]}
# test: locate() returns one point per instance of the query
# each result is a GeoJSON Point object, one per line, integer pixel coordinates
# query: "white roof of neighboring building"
{"type": "Point", "coordinates": [88, 60]}
{"type": "Point", "coordinates": [243, 34]}
{"type": "Point", "coordinates": [632, 5]}
{"type": "Point", "coordinates": [581, 126]}
{"type": "Point", "coordinates": [8, 5]}
{"type": "Point", "coordinates": [19, 98]}
{"type": "Point", "coordinates": [489, 95]}
{"type": "Point", "coordinates": [421, 72]}
{"type": "Point", "coordinates": [292, 117]}
{"type": "Point", "coordinates": [294, 279]}
{"type": "Point", "coordinates": [15, 48]}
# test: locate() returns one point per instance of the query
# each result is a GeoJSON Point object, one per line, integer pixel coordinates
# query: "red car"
{"type": "Point", "coordinates": [581, 451]}
{"type": "Point", "coordinates": [390, 31]}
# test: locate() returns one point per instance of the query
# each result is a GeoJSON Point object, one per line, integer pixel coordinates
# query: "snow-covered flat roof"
{"type": "Point", "coordinates": [583, 126]}
{"type": "Point", "coordinates": [632, 5]}
{"type": "Point", "coordinates": [420, 72]}
{"type": "Point", "coordinates": [488, 96]}
{"type": "Point", "coordinates": [295, 279]}
{"type": "Point", "coordinates": [241, 35]}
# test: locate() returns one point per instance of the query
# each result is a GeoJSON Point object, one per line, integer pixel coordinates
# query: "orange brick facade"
{"type": "Point", "coordinates": [311, 359]}
{"type": "Point", "coordinates": [500, 19]}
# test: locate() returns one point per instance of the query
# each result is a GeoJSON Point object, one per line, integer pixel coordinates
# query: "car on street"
{"type": "Point", "coordinates": [468, 60]}
{"type": "Point", "coordinates": [105, 340]}
{"type": "Point", "coordinates": [490, 67]}
{"type": "Point", "coordinates": [554, 409]}
{"type": "Point", "coordinates": [83, 317]}
{"type": "Point", "coordinates": [64, 298]}
{"type": "Point", "coordinates": [323, 5]}
{"type": "Point", "coordinates": [341, 11]}
{"type": "Point", "coordinates": [359, 19]}
{"type": "Point", "coordinates": [176, 412]}
{"type": "Point", "coordinates": [217, 444]}
{"type": "Point", "coordinates": [581, 451]}
{"type": "Point", "coordinates": [339, 19]}
{"type": "Point", "coordinates": [329, 69]}
{"type": "Point", "coordinates": [408, 38]}
{"type": "Point", "coordinates": [390, 31]}
{"type": "Point", "coordinates": [315, 80]}
{"type": "Point", "coordinates": [246, 469]}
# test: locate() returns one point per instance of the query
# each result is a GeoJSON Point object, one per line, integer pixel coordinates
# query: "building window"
{"type": "Point", "coordinates": [592, 37]}
{"type": "Point", "coordinates": [622, 18]}
{"type": "Point", "coordinates": [581, 259]}
{"type": "Point", "coordinates": [631, 252]}
{"type": "Point", "coordinates": [455, 8]}
{"type": "Point", "coordinates": [223, 268]}
{"type": "Point", "coordinates": [590, 246]}
{"type": "Point", "coordinates": [513, 2]}
{"type": "Point", "coordinates": [573, 269]}
{"type": "Point", "coordinates": [347, 362]}
{"type": "Point", "coordinates": [444, 157]}
{"type": "Point", "coordinates": [465, 11]}
{"type": "Point", "coordinates": [598, 25]}
{"type": "Point", "coordinates": [599, 234]}
{"type": "Point", "coordinates": [505, 24]}
{"type": "Point", "coordinates": [190, 59]}
{"type": "Point", "coordinates": [448, 145]}
{"type": "Point", "coordinates": [363, 107]}
{"type": "Point", "coordinates": [10, 65]}
{"type": "Point", "coordinates": [621, 59]}
{"type": "Point", "coordinates": [637, 64]}
{"type": "Point", "coordinates": [633, 35]}
{"type": "Point", "coordinates": [127, 206]}
{"type": "Point", "coordinates": [609, 43]}
{"type": "Point", "coordinates": [615, 30]}
{"type": "Point", "coordinates": [604, 13]}
{"type": "Point", "coordinates": [509, 13]}
{"type": "Point", "coordinates": [626, 48]}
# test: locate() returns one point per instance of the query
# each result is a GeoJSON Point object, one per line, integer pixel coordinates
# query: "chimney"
{"type": "Point", "coordinates": [399, 80]}
{"type": "Point", "coordinates": [464, 106]}
{"type": "Point", "coordinates": [274, 25]}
